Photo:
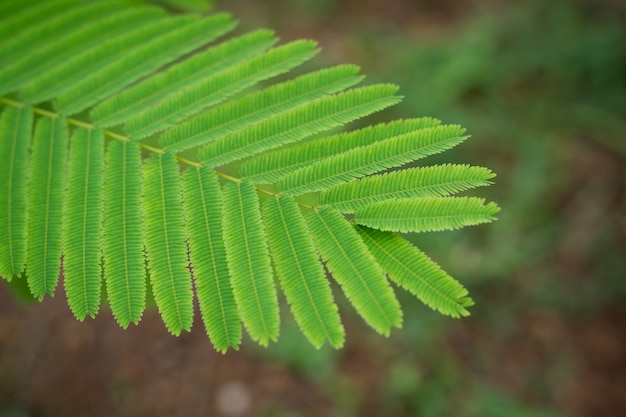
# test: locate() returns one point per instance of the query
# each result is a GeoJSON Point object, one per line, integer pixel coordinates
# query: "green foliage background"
{"type": "Point", "coordinates": [541, 86]}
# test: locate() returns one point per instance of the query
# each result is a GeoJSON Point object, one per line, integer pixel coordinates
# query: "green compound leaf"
{"type": "Point", "coordinates": [301, 274]}
{"type": "Point", "coordinates": [249, 262]}
{"type": "Point", "coordinates": [82, 222]}
{"type": "Point", "coordinates": [355, 269]}
{"type": "Point", "coordinates": [171, 101]}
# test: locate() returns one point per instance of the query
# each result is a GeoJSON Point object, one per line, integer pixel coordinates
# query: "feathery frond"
{"type": "Point", "coordinates": [249, 262]}
{"type": "Point", "coordinates": [320, 115]}
{"type": "Point", "coordinates": [136, 99]}
{"type": "Point", "coordinates": [369, 159]}
{"type": "Point", "coordinates": [426, 214]}
{"type": "Point", "coordinates": [15, 135]}
{"type": "Point", "coordinates": [410, 268]}
{"type": "Point", "coordinates": [270, 167]}
{"type": "Point", "coordinates": [212, 90]}
{"type": "Point", "coordinates": [238, 114]}
{"type": "Point", "coordinates": [355, 269]}
{"type": "Point", "coordinates": [165, 242]}
{"type": "Point", "coordinates": [204, 212]}
{"type": "Point", "coordinates": [45, 205]}
{"type": "Point", "coordinates": [300, 273]}
{"type": "Point", "coordinates": [82, 222]}
{"type": "Point", "coordinates": [129, 214]}
{"type": "Point", "coordinates": [124, 269]}
{"type": "Point", "coordinates": [433, 181]}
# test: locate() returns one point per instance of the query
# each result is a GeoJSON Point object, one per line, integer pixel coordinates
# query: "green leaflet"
{"type": "Point", "coordinates": [426, 214]}
{"type": "Point", "coordinates": [355, 269]}
{"type": "Point", "coordinates": [187, 35]}
{"type": "Point", "coordinates": [249, 262]}
{"type": "Point", "coordinates": [300, 273]}
{"type": "Point", "coordinates": [45, 205]}
{"type": "Point", "coordinates": [165, 242]}
{"type": "Point", "coordinates": [212, 90]}
{"type": "Point", "coordinates": [317, 116]}
{"type": "Point", "coordinates": [433, 181]}
{"type": "Point", "coordinates": [53, 55]}
{"type": "Point", "coordinates": [87, 63]}
{"type": "Point", "coordinates": [15, 135]}
{"type": "Point", "coordinates": [410, 268]}
{"type": "Point", "coordinates": [203, 212]}
{"type": "Point", "coordinates": [164, 85]}
{"type": "Point", "coordinates": [124, 269]}
{"type": "Point", "coordinates": [237, 114]}
{"type": "Point", "coordinates": [51, 29]}
{"type": "Point", "coordinates": [269, 167]}
{"type": "Point", "coordinates": [82, 222]}
{"type": "Point", "coordinates": [372, 158]}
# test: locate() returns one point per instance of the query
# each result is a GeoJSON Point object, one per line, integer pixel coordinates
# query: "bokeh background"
{"type": "Point", "coordinates": [541, 87]}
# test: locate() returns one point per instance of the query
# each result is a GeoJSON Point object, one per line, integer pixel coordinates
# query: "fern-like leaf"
{"type": "Point", "coordinates": [254, 108]}
{"type": "Point", "coordinates": [270, 167]}
{"type": "Point", "coordinates": [142, 96]}
{"type": "Point", "coordinates": [434, 181]}
{"type": "Point", "coordinates": [410, 268]}
{"type": "Point", "coordinates": [372, 158]}
{"type": "Point", "coordinates": [355, 269]}
{"type": "Point", "coordinates": [249, 262]}
{"type": "Point", "coordinates": [45, 205]}
{"type": "Point", "coordinates": [320, 115]}
{"type": "Point", "coordinates": [124, 269]}
{"type": "Point", "coordinates": [300, 273]}
{"type": "Point", "coordinates": [165, 242]}
{"type": "Point", "coordinates": [15, 136]}
{"type": "Point", "coordinates": [130, 214]}
{"type": "Point", "coordinates": [82, 222]}
{"type": "Point", "coordinates": [212, 90]}
{"type": "Point", "coordinates": [426, 214]}
{"type": "Point", "coordinates": [204, 212]}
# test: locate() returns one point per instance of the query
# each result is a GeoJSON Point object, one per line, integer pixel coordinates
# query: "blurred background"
{"type": "Point", "coordinates": [541, 87]}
